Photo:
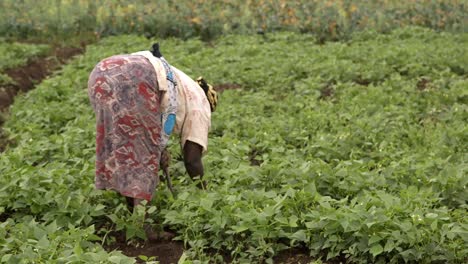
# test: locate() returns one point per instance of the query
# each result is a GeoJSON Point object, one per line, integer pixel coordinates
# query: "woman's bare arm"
{"type": "Point", "coordinates": [193, 159]}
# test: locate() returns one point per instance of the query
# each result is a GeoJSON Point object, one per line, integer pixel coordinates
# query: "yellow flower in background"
{"type": "Point", "coordinates": [196, 20]}
{"type": "Point", "coordinates": [283, 4]}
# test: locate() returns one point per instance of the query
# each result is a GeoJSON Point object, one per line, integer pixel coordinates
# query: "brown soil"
{"type": "Point", "coordinates": [255, 157]}
{"type": "Point", "coordinates": [423, 84]}
{"type": "Point", "coordinates": [296, 256]}
{"type": "Point", "coordinates": [362, 81]}
{"type": "Point", "coordinates": [164, 252]}
{"type": "Point", "coordinates": [226, 86]}
{"type": "Point", "coordinates": [170, 252]}
{"type": "Point", "coordinates": [327, 92]}
{"type": "Point", "coordinates": [25, 77]}
{"type": "Point", "coordinates": [4, 217]}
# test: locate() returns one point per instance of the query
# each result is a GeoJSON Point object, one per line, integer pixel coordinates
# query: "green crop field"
{"type": "Point", "coordinates": [17, 54]}
{"type": "Point", "coordinates": [328, 19]}
{"type": "Point", "coordinates": [351, 150]}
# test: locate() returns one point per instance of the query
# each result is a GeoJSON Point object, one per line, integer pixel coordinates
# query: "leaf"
{"type": "Point", "coordinates": [128, 260]}
{"type": "Point", "coordinates": [300, 236]}
{"type": "Point", "coordinates": [269, 211]}
{"type": "Point", "coordinates": [113, 218]}
{"type": "Point", "coordinates": [206, 204]}
{"type": "Point", "coordinates": [93, 237]}
{"type": "Point", "coordinates": [43, 242]}
{"type": "Point", "coordinates": [182, 259]}
{"type": "Point", "coordinates": [238, 229]}
{"type": "Point", "coordinates": [52, 227]}
{"type": "Point", "coordinates": [130, 232]}
{"type": "Point", "coordinates": [341, 173]}
{"type": "Point", "coordinates": [39, 232]}
{"type": "Point", "coordinates": [389, 246]}
{"type": "Point", "coordinates": [432, 215]}
{"type": "Point", "coordinates": [116, 259]}
{"type": "Point", "coordinates": [374, 239]}
{"type": "Point", "coordinates": [376, 250]}
{"type": "Point", "coordinates": [344, 223]}
{"type": "Point", "coordinates": [77, 249]}
{"type": "Point", "coordinates": [152, 209]}
{"type": "Point", "coordinates": [6, 257]}
{"type": "Point", "coordinates": [293, 221]}
{"type": "Point", "coordinates": [450, 235]}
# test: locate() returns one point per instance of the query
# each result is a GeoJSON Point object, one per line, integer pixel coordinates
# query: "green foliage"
{"type": "Point", "coordinates": [353, 149]}
{"type": "Point", "coordinates": [327, 19]}
{"type": "Point", "coordinates": [5, 80]}
{"type": "Point", "coordinates": [17, 54]}
{"type": "Point", "coordinates": [28, 241]}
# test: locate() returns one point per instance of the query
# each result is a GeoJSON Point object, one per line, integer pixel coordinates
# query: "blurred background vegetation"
{"type": "Point", "coordinates": [328, 20]}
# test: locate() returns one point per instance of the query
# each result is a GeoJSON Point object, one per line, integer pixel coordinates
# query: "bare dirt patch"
{"type": "Point", "coordinates": [255, 157]}
{"type": "Point", "coordinates": [226, 86]}
{"type": "Point", "coordinates": [33, 72]}
{"type": "Point", "coordinates": [327, 92]}
{"type": "Point", "coordinates": [423, 84]}
{"type": "Point", "coordinates": [294, 255]}
{"type": "Point", "coordinates": [166, 252]}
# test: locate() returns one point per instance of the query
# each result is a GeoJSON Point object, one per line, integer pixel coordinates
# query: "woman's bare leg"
{"type": "Point", "coordinates": [132, 203]}
{"type": "Point", "coordinates": [129, 203]}
{"type": "Point", "coordinates": [150, 233]}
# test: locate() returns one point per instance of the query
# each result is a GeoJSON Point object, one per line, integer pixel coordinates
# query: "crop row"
{"type": "Point", "coordinates": [17, 54]}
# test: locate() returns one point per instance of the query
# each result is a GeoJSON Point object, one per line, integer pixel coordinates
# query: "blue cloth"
{"type": "Point", "coordinates": [170, 124]}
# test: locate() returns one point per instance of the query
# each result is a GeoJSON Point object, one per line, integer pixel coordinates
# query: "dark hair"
{"type": "Point", "coordinates": [203, 84]}
{"type": "Point", "coordinates": [155, 50]}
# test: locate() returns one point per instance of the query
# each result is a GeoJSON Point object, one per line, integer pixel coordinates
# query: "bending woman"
{"type": "Point", "coordinates": [139, 100]}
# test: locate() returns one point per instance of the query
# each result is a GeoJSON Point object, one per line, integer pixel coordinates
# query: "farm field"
{"type": "Point", "coordinates": [349, 151]}
{"type": "Point", "coordinates": [16, 54]}
{"type": "Point", "coordinates": [327, 19]}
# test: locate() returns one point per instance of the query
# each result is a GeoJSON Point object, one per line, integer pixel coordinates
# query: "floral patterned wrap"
{"type": "Point", "coordinates": [124, 93]}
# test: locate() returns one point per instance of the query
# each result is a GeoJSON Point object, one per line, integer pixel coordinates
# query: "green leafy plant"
{"type": "Point", "coordinates": [17, 54]}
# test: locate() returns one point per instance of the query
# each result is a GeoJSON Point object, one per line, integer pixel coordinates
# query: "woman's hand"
{"type": "Point", "coordinates": [164, 165]}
